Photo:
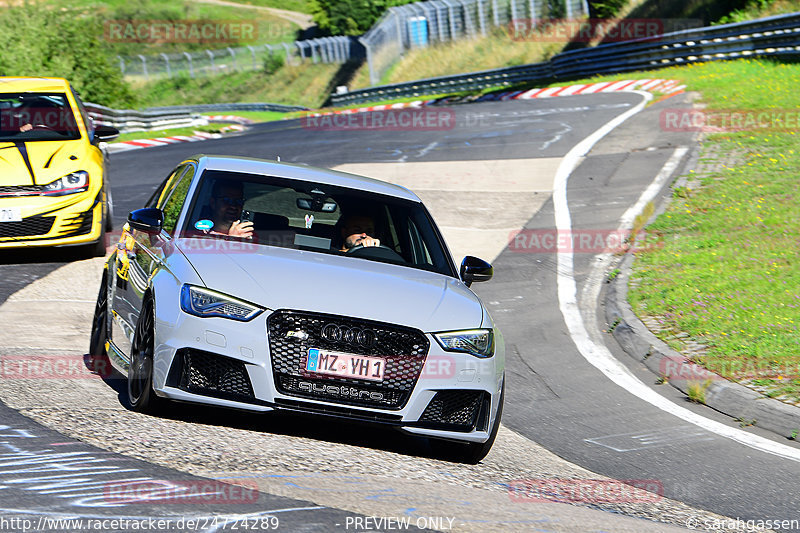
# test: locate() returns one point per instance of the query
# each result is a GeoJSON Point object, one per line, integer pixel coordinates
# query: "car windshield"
{"type": "Point", "coordinates": [319, 218]}
{"type": "Point", "coordinates": [27, 117]}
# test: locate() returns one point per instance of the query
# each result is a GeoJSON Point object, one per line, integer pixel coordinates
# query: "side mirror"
{"type": "Point", "coordinates": [474, 269]}
{"type": "Point", "coordinates": [148, 220]}
{"type": "Point", "coordinates": [105, 133]}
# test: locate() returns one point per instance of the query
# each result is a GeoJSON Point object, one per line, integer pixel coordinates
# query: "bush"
{"type": "Point", "coordinates": [42, 41]}
{"type": "Point", "coordinates": [605, 8]}
{"type": "Point", "coordinates": [272, 63]}
{"type": "Point", "coordinates": [350, 17]}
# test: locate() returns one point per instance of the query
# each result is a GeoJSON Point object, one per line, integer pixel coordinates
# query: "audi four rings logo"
{"type": "Point", "coordinates": [358, 336]}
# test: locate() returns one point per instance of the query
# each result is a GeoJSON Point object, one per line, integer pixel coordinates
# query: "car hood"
{"type": "Point", "coordinates": [49, 160]}
{"type": "Point", "coordinates": [281, 278]}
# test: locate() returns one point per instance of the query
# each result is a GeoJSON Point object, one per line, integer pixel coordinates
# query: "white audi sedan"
{"type": "Point", "coordinates": [261, 285]}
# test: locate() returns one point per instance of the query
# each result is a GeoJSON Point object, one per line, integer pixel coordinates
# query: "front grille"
{"type": "Point", "coordinates": [454, 409]}
{"type": "Point", "coordinates": [79, 224]}
{"type": "Point", "coordinates": [28, 227]}
{"type": "Point", "coordinates": [20, 190]}
{"type": "Point", "coordinates": [403, 349]}
{"type": "Point", "coordinates": [346, 412]}
{"type": "Point", "coordinates": [210, 374]}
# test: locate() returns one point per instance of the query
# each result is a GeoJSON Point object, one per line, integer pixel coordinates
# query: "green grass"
{"type": "Point", "coordinates": [270, 28]}
{"type": "Point", "coordinates": [303, 6]}
{"type": "Point", "coordinates": [257, 116]}
{"type": "Point", "coordinates": [728, 266]}
{"type": "Point", "coordinates": [306, 85]}
{"type": "Point", "coordinates": [152, 134]}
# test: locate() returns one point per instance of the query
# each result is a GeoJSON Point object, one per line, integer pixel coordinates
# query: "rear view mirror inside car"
{"type": "Point", "coordinates": [316, 204]}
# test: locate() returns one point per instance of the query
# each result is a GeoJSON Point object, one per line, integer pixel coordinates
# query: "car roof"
{"type": "Point", "coordinates": [17, 84]}
{"type": "Point", "coordinates": [303, 173]}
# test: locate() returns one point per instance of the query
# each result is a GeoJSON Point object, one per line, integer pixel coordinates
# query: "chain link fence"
{"type": "Point", "coordinates": [401, 28]}
{"type": "Point", "coordinates": [424, 23]}
{"type": "Point", "coordinates": [323, 50]}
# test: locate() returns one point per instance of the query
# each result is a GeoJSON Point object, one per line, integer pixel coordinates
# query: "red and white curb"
{"type": "Point", "coordinates": [124, 146]}
{"type": "Point", "coordinates": [670, 87]}
{"type": "Point", "coordinates": [229, 118]}
{"type": "Point", "coordinates": [382, 107]}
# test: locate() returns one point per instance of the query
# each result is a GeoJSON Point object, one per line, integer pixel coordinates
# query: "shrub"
{"type": "Point", "coordinates": [42, 41]}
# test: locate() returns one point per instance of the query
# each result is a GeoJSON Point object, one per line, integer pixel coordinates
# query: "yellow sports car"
{"type": "Point", "coordinates": [53, 189]}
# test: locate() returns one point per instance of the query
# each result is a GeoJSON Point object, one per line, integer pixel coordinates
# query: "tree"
{"type": "Point", "coordinates": [44, 41]}
{"type": "Point", "coordinates": [349, 17]}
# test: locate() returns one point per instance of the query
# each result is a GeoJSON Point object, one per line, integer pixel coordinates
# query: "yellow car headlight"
{"type": "Point", "coordinates": [72, 183]}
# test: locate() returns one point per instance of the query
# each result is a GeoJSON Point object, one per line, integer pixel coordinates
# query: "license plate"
{"type": "Point", "coordinates": [344, 365]}
{"type": "Point", "coordinates": [10, 214]}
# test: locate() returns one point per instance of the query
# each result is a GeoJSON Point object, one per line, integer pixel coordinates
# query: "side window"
{"type": "Point", "coordinates": [174, 205]}
{"type": "Point", "coordinates": [87, 120]}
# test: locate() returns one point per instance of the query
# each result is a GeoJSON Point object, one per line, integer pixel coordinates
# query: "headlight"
{"type": "Point", "coordinates": [69, 184]}
{"type": "Point", "coordinates": [206, 303]}
{"type": "Point", "coordinates": [478, 342]}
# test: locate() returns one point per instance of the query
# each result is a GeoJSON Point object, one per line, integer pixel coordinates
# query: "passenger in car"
{"type": "Point", "coordinates": [357, 229]}
{"type": "Point", "coordinates": [227, 199]}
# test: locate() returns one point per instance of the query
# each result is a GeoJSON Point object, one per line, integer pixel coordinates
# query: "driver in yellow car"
{"type": "Point", "coordinates": [357, 230]}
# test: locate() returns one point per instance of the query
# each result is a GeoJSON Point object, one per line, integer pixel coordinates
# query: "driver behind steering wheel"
{"type": "Point", "coordinates": [358, 230]}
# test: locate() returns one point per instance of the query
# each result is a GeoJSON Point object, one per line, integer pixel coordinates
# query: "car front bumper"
{"type": "Point", "coordinates": [455, 395]}
{"type": "Point", "coordinates": [59, 221]}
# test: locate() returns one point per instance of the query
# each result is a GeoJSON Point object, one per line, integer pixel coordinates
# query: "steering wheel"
{"type": "Point", "coordinates": [360, 246]}
{"type": "Point", "coordinates": [379, 252]}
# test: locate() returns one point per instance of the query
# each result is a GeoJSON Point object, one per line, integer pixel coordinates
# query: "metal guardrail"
{"type": "Point", "coordinates": [127, 120]}
{"type": "Point", "coordinates": [503, 77]}
{"type": "Point", "coordinates": [772, 36]}
{"type": "Point", "coordinates": [204, 108]}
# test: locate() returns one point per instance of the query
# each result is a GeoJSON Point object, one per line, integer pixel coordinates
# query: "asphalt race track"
{"type": "Point", "coordinates": [554, 396]}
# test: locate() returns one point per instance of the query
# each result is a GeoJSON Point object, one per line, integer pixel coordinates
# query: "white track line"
{"type": "Point", "coordinates": [596, 353]}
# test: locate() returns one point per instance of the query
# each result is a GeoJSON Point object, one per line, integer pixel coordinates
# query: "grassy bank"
{"type": "Point", "coordinates": [725, 274]}
{"type": "Point", "coordinates": [306, 85]}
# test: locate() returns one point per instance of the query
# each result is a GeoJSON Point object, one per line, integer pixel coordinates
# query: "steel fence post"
{"type": "Point", "coordinates": [440, 22]}
{"type": "Point", "coordinates": [288, 53]}
{"type": "Point", "coordinates": [211, 55]}
{"type": "Point", "coordinates": [166, 62]}
{"type": "Point", "coordinates": [568, 5]}
{"type": "Point", "coordinates": [513, 10]}
{"type": "Point", "coordinates": [495, 14]}
{"type": "Point", "coordinates": [451, 16]}
{"type": "Point", "coordinates": [191, 69]}
{"type": "Point", "coordinates": [469, 29]}
{"type": "Point", "coordinates": [144, 67]}
{"type": "Point", "coordinates": [233, 58]}
{"type": "Point", "coordinates": [253, 56]}
{"type": "Point", "coordinates": [121, 65]}
{"type": "Point", "coordinates": [370, 62]}
{"type": "Point", "coordinates": [482, 17]}
{"type": "Point", "coordinates": [532, 11]}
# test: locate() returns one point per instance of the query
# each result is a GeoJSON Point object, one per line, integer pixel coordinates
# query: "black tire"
{"type": "Point", "coordinates": [140, 373]}
{"type": "Point", "coordinates": [97, 360]}
{"type": "Point", "coordinates": [109, 210]}
{"type": "Point", "coordinates": [470, 452]}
